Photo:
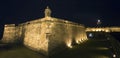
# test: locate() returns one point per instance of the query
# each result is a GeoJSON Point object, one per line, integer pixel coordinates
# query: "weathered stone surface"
{"type": "Point", "coordinates": [35, 37]}
{"type": "Point", "coordinates": [9, 33]}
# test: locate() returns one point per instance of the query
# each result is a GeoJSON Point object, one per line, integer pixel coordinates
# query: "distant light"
{"type": "Point", "coordinates": [78, 41]}
{"type": "Point", "coordinates": [114, 56]}
{"type": "Point", "coordinates": [69, 45]}
{"type": "Point", "coordinates": [99, 21]}
{"type": "Point", "coordinates": [90, 35]}
{"type": "Point", "coordinates": [107, 31]}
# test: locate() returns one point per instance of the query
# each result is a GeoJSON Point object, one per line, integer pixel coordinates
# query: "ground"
{"type": "Point", "coordinates": [100, 46]}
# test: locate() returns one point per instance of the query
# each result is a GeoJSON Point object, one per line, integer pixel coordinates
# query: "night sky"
{"type": "Point", "coordinates": [81, 11]}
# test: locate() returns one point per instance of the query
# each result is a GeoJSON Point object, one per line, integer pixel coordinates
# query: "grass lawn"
{"type": "Point", "coordinates": [19, 52]}
{"type": "Point", "coordinates": [89, 49]}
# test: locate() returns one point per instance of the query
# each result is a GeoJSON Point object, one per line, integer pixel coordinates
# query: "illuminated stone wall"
{"type": "Point", "coordinates": [47, 34]}
{"type": "Point", "coordinates": [106, 29]}
{"type": "Point", "coordinates": [19, 32]}
{"type": "Point", "coordinates": [115, 29]}
{"type": "Point", "coordinates": [103, 29]}
{"type": "Point", "coordinates": [65, 34]}
{"type": "Point", "coordinates": [9, 33]}
{"type": "Point", "coordinates": [12, 33]}
{"type": "Point", "coordinates": [35, 37]}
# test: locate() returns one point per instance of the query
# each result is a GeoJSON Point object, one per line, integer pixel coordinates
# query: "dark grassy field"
{"type": "Point", "coordinates": [116, 35]}
{"type": "Point", "coordinates": [89, 49]}
{"type": "Point", "coordinates": [102, 45]}
{"type": "Point", "coordinates": [8, 51]}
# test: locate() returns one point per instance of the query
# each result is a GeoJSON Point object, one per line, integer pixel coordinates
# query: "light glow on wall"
{"type": "Point", "coordinates": [35, 37]}
{"type": "Point", "coordinates": [69, 43]}
{"type": "Point", "coordinates": [9, 33]}
{"type": "Point", "coordinates": [81, 38]}
{"type": "Point", "coordinates": [78, 40]}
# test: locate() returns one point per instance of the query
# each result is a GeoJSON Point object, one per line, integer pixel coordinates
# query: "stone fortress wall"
{"type": "Point", "coordinates": [12, 33]}
{"type": "Point", "coordinates": [45, 35]}
{"type": "Point", "coordinates": [35, 37]}
{"type": "Point", "coordinates": [9, 33]}
{"type": "Point", "coordinates": [48, 33]}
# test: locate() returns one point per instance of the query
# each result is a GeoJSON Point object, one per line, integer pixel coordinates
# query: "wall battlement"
{"type": "Point", "coordinates": [105, 29]}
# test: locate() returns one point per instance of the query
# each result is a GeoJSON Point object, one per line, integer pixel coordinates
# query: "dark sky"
{"type": "Point", "coordinates": [81, 11]}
